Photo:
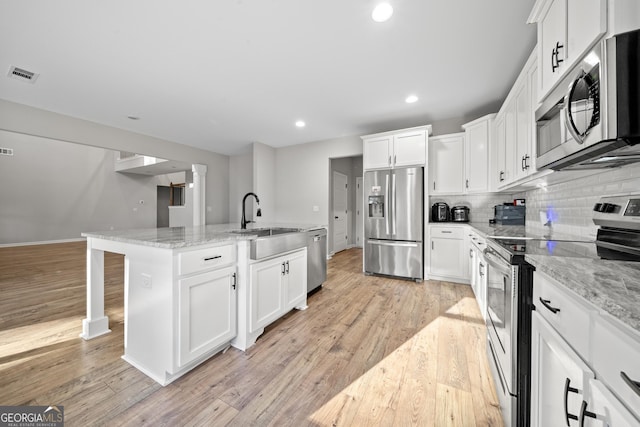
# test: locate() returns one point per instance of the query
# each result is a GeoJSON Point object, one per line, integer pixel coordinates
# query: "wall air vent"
{"type": "Point", "coordinates": [22, 74]}
{"type": "Point", "coordinates": [6, 151]}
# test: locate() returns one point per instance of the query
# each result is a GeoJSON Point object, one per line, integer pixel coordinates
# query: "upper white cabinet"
{"type": "Point", "coordinates": [477, 135]}
{"type": "Point", "coordinates": [566, 29]}
{"type": "Point", "coordinates": [513, 141]}
{"type": "Point", "coordinates": [406, 147]}
{"type": "Point", "coordinates": [446, 171]}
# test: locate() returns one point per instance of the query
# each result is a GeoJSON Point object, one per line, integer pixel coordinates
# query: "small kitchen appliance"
{"type": "Point", "coordinates": [509, 214]}
{"type": "Point", "coordinates": [440, 212]}
{"type": "Point", "coordinates": [460, 214]}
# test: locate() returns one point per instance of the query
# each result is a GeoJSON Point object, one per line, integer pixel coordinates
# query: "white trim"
{"type": "Point", "coordinates": [43, 242]}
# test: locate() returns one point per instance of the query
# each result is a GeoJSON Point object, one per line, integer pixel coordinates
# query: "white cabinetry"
{"type": "Point", "coordinates": [566, 30]}
{"type": "Point", "coordinates": [477, 135]}
{"type": "Point", "coordinates": [206, 313]}
{"type": "Point", "coordinates": [276, 286]}
{"type": "Point", "coordinates": [448, 258]}
{"type": "Point", "coordinates": [584, 364]}
{"type": "Point", "coordinates": [478, 269]}
{"type": "Point", "coordinates": [407, 147]}
{"type": "Point", "coordinates": [446, 171]}
{"type": "Point", "coordinates": [515, 134]}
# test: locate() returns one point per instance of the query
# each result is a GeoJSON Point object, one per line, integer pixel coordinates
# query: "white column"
{"type": "Point", "coordinates": [199, 185]}
{"type": "Point", "coordinates": [96, 323]}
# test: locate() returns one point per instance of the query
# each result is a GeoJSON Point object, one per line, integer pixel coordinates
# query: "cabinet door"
{"type": "Point", "coordinates": [446, 164]}
{"type": "Point", "coordinates": [267, 292]}
{"type": "Point", "coordinates": [586, 23]}
{"type": "Point", "coordinates": [531, 153]}
{"type": "Point", "coordinates": [523, 129]}
{"type": "Point", "coordinates": [552, 36]}
{"type": "Point", "coordinates": [296, 280]}
{"type": "Point", "coordinates": [409, 149]}
{"type": "Point", "coordinates": [482, 285]}
{"type": "Point", "coordinates": [603, 409]}
{"type": "Point", "coordinates": [558, 375]}
{"type": "Point", "coordinates": [447, 257]}
{"type": "Point", "coordinates": [476, 151]}
{"type": "Point", "coordinates": [510, 142]}
{"type": "Point", "coordinates": [207, 313]}
{"type": "Point", "coordinates": [497, 175]}
{"type": "Point", "coordinates": [377, 152]}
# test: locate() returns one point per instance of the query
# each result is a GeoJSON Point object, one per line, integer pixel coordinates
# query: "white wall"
{"type": "Point", "coordinates": [32, 121]}
{"type": "Point", "coordinates": [302, 178]}
{"type": "Point", "coordinates": [264, 181]}
{"type": "Point", "coordinates": [54, 190]}
{"type": "Point", "coordinates": [240, 183]}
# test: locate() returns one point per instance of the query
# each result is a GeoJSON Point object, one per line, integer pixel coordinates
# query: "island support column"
{"type": "Point", "coordinates": [199, 185]}
{"type": "Point", "coordinates": [96, 323]}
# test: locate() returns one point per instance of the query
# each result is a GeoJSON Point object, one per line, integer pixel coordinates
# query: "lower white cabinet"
{"type": "Point", "coordinates": [584, 363]}
{"type": "Point", "coordinates": [558, 377]}
{"type": "Point", "coordinates": [276, 286]}
{"type": "Point", "coordinates": [448, 259]}
{"type": "Point", "coordinates": [206, 313]}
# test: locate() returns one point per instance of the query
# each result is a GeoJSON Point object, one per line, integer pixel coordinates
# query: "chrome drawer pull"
{"type": "Point", "coordinates": [635, 385]}
{"type": "Point", "coordinates": [211, 258]}
{"type": "Point", "coordinates": [546, 302]}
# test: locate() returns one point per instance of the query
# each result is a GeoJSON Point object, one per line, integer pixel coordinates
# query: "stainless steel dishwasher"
{"type": "Point", "coordinates": [316, 258]}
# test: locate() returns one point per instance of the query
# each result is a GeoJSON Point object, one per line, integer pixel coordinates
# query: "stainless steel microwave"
{"type": "Point", "coordinates": [591, 120]}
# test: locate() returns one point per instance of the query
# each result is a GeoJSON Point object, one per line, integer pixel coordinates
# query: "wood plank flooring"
{"type": "Point", "coordinates": [369, 351]}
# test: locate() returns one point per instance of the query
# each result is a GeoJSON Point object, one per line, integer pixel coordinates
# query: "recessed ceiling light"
{"type": "Point", "coordinates": [133, 117]}
{"type": "Point", "coordinates": [411, 99]}
{"type": "Point", "coordinates": [300, 124]}
{"type": "Point", "coordinates": [382, 12]}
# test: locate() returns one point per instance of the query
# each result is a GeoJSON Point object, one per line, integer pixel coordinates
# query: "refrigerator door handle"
{"type": "Point", "coordinates": [386, 203]}
{"type": "Point", "coordinates": [387, 243]}
{"type": "Point", "coordinates": [393, 206]}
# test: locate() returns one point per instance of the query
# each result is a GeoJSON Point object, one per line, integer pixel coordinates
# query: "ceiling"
{"type": "Point", "coordinates": [221, 75]}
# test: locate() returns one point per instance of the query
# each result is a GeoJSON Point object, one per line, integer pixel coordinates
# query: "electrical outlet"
{"type": "Point", "coordinates": [316, 208]}
{"type": "Point", "coordinates": [146, 280]}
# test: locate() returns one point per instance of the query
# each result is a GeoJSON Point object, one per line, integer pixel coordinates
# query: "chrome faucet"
{"type": "Point", "coordinates": [243, 221]}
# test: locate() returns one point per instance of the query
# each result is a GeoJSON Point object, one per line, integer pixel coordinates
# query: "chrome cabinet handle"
{"type": "Point", "coordinates": [211, 258]}
{"type": "Point", "coordinates": [584, 413]}
{"type": "Point", "coordinates": [501, 176]}
{"type": "Point", "coordinates": [635, 385]}
{"type": "Point", "coordinates": [567, 389]}
{"type": "Point", "coordinates": [283, 269]}
{"type": "Point", "coordinates": [547, 305]}
{"type": "Point", "coordinates": [235, 280]}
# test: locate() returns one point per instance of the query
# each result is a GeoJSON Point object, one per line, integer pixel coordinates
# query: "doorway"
{"type": "Point", "coordinates": [340, 211]}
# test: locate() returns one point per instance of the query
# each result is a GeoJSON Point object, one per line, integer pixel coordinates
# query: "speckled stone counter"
{"type": "Point", "coordinates": [612, 286]}
{"type": "Point", "coordinates": [182, 237]}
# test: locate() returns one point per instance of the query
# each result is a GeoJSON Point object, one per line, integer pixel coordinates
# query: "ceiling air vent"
{"type": "Point", "coordinates": [6, 151]}
{"type": "Point", "coordinates": [22, 74]}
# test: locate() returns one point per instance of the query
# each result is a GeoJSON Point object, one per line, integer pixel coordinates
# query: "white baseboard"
{"type": "Point", "coordinates": [43, 242]}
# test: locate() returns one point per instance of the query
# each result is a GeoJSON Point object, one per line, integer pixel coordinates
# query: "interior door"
{"type": "Point", "coordinates": [359, 213]}
{"type": "Point", "coordinates": [339, 212]}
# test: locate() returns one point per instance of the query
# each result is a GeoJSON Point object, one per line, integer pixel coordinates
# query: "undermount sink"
{"type": "Point", "coordinates": [273, 241]}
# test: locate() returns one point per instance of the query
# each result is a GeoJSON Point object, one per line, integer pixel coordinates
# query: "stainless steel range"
{"type": "Point", "coordinates": [510, 286]}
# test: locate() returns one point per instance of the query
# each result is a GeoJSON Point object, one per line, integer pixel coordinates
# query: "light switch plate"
{"type": "Point", "coordinates": [146, 280]}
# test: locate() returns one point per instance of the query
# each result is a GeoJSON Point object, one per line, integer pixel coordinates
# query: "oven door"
{"type": "Point", "coordinates": [502, 315]}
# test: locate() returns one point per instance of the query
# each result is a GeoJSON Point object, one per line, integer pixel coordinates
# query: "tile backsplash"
{"type": "Point", "coordinates": [569, 205]}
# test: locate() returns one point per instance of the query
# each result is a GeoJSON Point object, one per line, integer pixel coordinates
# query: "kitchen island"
{"type": "Point", "coordinates": [190, 292]}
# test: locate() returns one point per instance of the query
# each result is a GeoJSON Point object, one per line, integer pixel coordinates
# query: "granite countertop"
{"type": "Point", "coordinates": [182, 237]}
{"type": "Point", "coordinates": [612, 286]}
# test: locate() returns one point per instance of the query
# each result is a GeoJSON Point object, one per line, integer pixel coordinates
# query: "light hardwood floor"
{"type": "Point", "coordinates": [369, 351]}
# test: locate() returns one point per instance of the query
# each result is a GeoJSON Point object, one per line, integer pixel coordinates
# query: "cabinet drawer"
{"type": "Point", "coordinates": [616, 350]}
{"type": "Point", "coordinates": [447, 232]}
{"type": "Point", "coordinates": [565, 311]}
{"type": "Point", "coordinates": [204, 259]}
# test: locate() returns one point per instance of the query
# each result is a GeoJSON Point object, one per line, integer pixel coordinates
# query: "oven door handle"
{"type": "Point", "coordinates": [496, 261]}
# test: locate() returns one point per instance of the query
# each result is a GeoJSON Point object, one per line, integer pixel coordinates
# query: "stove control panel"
{"type": "Point", "coordinates": [618, 211]}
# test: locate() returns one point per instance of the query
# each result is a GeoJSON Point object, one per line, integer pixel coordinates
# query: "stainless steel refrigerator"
{"type": "Point", "coordinates": [394, 222]}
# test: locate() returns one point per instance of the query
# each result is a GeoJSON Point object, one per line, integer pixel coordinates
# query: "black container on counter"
{"type": "Point", "coordinates": [509, 214]}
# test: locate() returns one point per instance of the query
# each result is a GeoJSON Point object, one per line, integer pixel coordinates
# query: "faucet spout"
{"type": "Point", "coordinates": [243, 221]}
